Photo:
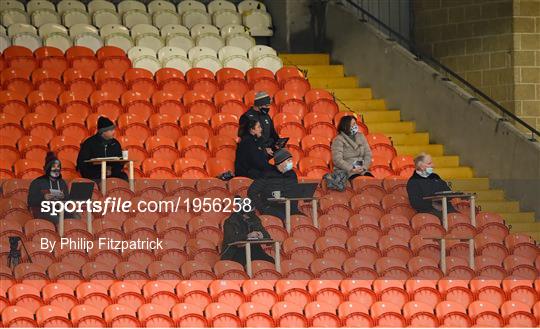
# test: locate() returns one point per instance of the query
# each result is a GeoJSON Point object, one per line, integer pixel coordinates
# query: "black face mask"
{"type": "Point", "coordinates": [265, 110]}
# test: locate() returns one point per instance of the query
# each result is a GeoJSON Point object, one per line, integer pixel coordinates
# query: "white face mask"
{"type": "Point", "coordinates": [354, 130]}
{"type": "Point", "coordinates": [288, 166]}
{"type": "Point", "coordinates": [54, 173]}
{"type": "Point", "coordinates": [429, 170]}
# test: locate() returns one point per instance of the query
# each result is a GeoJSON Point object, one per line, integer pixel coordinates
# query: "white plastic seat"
{"type": "Point", "coordinates": [167, 52]}
{"type": "Point", "coordinates": [151, 41]}
{"type": "Point", "coordinates": [11, 4]}
{"type": "Point", "coordinates": [3, 30]}
{"type": "Point", "coordinates": [135, 16]}
{"type": "Point", "coordinates": [181, 63]}
{"type": "Point", "coordinates": [28, 40]}
{"type": "Point", "coordinates": [202, 29]}
{"type": "Point", "coordinates": [144, 29]}
{"type": "Point", "coordinates": [104, 17]}
{"type": "Point", "coordinates": [77, 29]}
{"type": "Point", "coordinates": [50, 28]}
{"type": "Point", "coordinates": [13, 16]}
{"type": "Point", "coordinates": [76, 16]}
{"type": "Point", "coordinates": [173, 29]}
{"type": "Point", "coordinates": [179, 40]}
{"type": "Point", "coordinates": [109, 29]}
{"type": "Point", "coordinates": [228, 51]}
{"type": "Point", "coordinates": [34, 5]}
{"type": "Point", "coordinates": [231, 29]}
{"type": "Point", "coordinates": [89, 40]}
{"type": "Point", "coordinates": [226, 17]}
{"type": "Point", "coordinates": [58, 40]}
{"type": "Point", "coordinates": [207, 62]}
{"type": "Point", "coordinates": [17, 28]}
{"type": "Point", "coordinates": [218, 5]}
{"type": "Point", "coordinates": [259, 50]}
{"type": "Point", "coordinates": [137, 52]}
{"type": "Point", "coordinates": [241, 40]}
{"type": "Point", "coordinates": [191, 18]}
{"type": "Point", "coordinates": [96, 5]}
{"type": "Point", "coordinates": [197, 52]}
{"type": "Point", "coordinates": [119, 40]}
{"type": "Point", "coordinates": [44, 16]}
{"type": "Point", "coordinates": [258, 22]}
{"type": "Point", "coordinates": [66, 5]}
{"type": "Point", "coordinates": [149, 63]}
{"type": "Point", "coordinates": [164, 17]}
{"type": "Point", "coordinates": [158, 5]}
{"type": "Point", "coordinates": [269, 62]}
{"type": "Point", "coordinates": [186, 5]}
{"type": "Point", "coordinates": [5, 42]}
{"type": "Point", "coordinates": [237, 62]}
{"type": "Point", "coordinates": [248, 5]}
{"type": "Point", "coordinates": [210, 40]}
{"type": "Point", "coordinates": [128, 5]}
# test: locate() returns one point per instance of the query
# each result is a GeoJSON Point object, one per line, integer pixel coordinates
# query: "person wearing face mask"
{"type": "Point", "coordinates": [102, 144]}
{"type": "Point", "coordinates": [281, 177]}
{"type": "Point", "coordinates": [251, 160]}
{"type": "Point", "coordinates": [259, 112]}
{"type": "Point", "coordinates": [49, 187]}
{"type": "Point", "coordinates": [350, 149]}
{"type": "Point", "coordinates": [423, 183]}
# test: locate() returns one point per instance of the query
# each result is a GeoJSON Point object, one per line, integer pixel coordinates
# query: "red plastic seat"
{"type": "Point", "coordinates": [120, 315]}
{"type": "Point", "coordinates": [261, 79]}
{"type": "Point", "coordinates": [222, 315]}
{"type": "Point", "coordinates": [321, 101]}
{"type": "Point", "coordinates": [113, 59]}
{"type": "Point", "coordinates": [188, 315]}
{"type": "Point", "coordinates": [155, 316]}
{"type": "Point", "coordinates": [168, 103]}
{"type": "Point", "coordinates": [217, 166]}
{"type": "Point", "coordinates": [17, 80]}
{"type": "Point", "coordinates": [106, 104]}
{"type": "Point", "coordinates": [290, 102]}
{"type": "Point", "coordinates": [83, 59]}
{"type": "Point", "coordinates": [199, 103]}
{"type": "Point", "coordinates": [141, 81]}
{"type": "Point", "coordinates": [202, 80]}
{"type": "Point", "coordinates": [452, 314]}
{"type": "Point", "coordinates": [290, 78]}
{"type": "Point", "coordinates": [485, 314]}
{"type": "Point", "coordinates": [79, 82]}
{"type": "Point", "coordinates": [13, 103]}
{"type": "Point", "coordinates": [517, 314]}
{"type": "Point", "coordinates": [287, 314]}
{"type": "Point", "coordinates": [423, 291]}
{"type": "Point", "coordinates": [171, 81]}
{"type": "Point", "coordinates": [320, 124]}
{"type": "Point", "coordinates": [387, 314]}
{"type": "Point", "coordinates": [86, 316]}
{"type": "Point", "coordinates": [52, 316]}
{"type": "Point", "coordinates": [232, 80]}
{"type": "Point", "coordinates": [317, 146]}
{"type": "Point", "coordinates": [164, 125]}
{"type": "Point", "coordinates": [196, 125]}
{"type": "Point", "coordinates": [17, 316]}
{"type": "Point", "coordinates": [255, 315]}
{"type": "Point", "coordinates": [354, 314]}
{"type": "Point", "coordinates": [419, 314]}
{"type": "Point", "coordinates": [225, 125]}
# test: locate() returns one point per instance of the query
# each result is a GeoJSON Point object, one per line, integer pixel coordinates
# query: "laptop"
{"type": "Point", "coordinates": [81, 191]}
{"type": "Point", "coordinates": [302, 190]}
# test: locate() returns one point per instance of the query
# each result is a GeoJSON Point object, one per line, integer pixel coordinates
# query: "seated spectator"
{"type": "Point", "coordinates": [350, 149]}
{"type": "Point", "coordinates": [251, 160]}
{"type": "Point", "coordinates": [281, 178]}
{"type": "Point", "coordinates": [243, 226]}
{"type": "Point", "coordinates": [102, 144]}
{"type": "Point", "coordinates": [49, 187]}
{"type": "Point", "coordinates": [423, 183]}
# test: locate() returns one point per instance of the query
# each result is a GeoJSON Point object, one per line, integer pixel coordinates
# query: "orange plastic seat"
{"type": "Point", "coordinates": [21, 58]}
{"type": "Point", "coordinates": [157, 168]}
{"type": "Point", "coordinates": [485, 314]}
{"type": "Point", "coordinates": [52, 316]}
{"type": "Point", "coordinates": [452, 314]}
{"type": "Point", "coordinates": [25, 295]}
{"type": "Point", "coordinates": [225, 125]}
{"type": "Point", "coordinates": [354, 314]}
{"type": "Point", "coordinates": [162, 148]}
{"type": "Point", "coordinates": [17, 316]}
{"type": "Point", "coordinates": [423, 291]}
{"type": "Point", "coordinates": [32, 148]}
{"type": "Point", "coordinates": [322, 102]}
{"type": "Point", "coordinates": [113, 59]}
{"type": "Point", "coordinates": [517, 314]}
{"type": "Point", "coordinates": [330, 248]}
{"type": "Point", "coordinates": [222, 147]}
{"type": "Point", "coordinates": [160, 292]}
{"type": "Point", "coordinates": [164, 125]}
{"type": "Point", "coordinates": [217, 166]}
{"type": "Point", "coordinates": [229, 102]}
{"type": "Point", "coordinates": [320, 124]}
{"type": "Point", "coordinates": [290, 78]}
{"type": "Point", "coordinates": [171, 81]}
{"type": "Point", "coordinates": [290, 102]}
{"type": "Point", "coordinates": [196, 125]}
{"type": "Point", "coordinates": [261, 79]}
{"type": "Point", "coordinates": [168, 103]}
{"type": "Point", "coordinates": [83, 59]}
{"type": "Point", "coordinates": [321, 314]}
{"type": "Point", "coordinates": [288, 314]}
{"type": "Point", "coordinates": [396, 225]}
{"type": "Point", "coordinates": [227, 291]}
{"type": "Point", "coordinates": [202, 80]}
{"type": "Point", "coordinates": [317, 146]}
{"type": "Point", "coordinates": [10, 126]}
{"type": "Point", "coordinates": [327, 269]}
{"type": "Point", "coordinates": [70, 124]}
{"type": "Point", "coordinates": [188, 315]}
{"type": "Point", "coordinates": [520, 290]}
{"type": "Point", "coordinates": [392, 268]}
{"type": "Point", "coordinates": [17, 80]}
{"type": "Point", "coordinates": [222, 315]}
{"type": "Point", "coordinates": [86, 316]}
{"type": "Point", "coordinates": [51, 58]}
{"type": "Point", "coordinates": [106, 104]}
{"type": "Point", "coordinates": [137, 103]}
{"type": "Point", "coordinates": [79, 82]}
{"type": "Point", "coordinates": [111, 81]}
{"type": "Point", "coordinates": [189, 168]}
{"type": "Point", "coordinates": [456, 291]}
{"type": "Point", "coordinates": [232, 80]}
{"type": "Point", "coordinates": [141, 81]}
{"type": "Point", "coordinates": [132, 124]}
{"type": "Point", "coordinates": [390, 291]}
{"type": "Point", "coordinates": [13, 103]}
{"type": "Point", "coordinates": [28, 168]}
{"type": "Point", "coordinates": [120, 315]}
{"type": "Point", "coordinates": [255, 315]}
{"type": "Point", "coordinates": [193, 147]}
{"type": "Point", "coordinates": [387, 314]}
{"type": "Point", "coordinates": [59, 295]}
{"type": "Point", "coordinates": [521, 245]}
{"type": "Point", "coordinates": [520, 266]}
{"type": "Point", "coordinates": [43, 103]}
{"type": "Point", "coordinates": [154, 315]}
{"type": "Point", "coordinates": [492, 224]}
{"type": "Point", "coordinates": [48, 80]}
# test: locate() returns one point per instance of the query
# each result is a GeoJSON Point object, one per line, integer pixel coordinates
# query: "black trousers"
{"type": "Point", "coordinates": [257, 253]}
{"type": "Point", "coordinates": [367, 173]}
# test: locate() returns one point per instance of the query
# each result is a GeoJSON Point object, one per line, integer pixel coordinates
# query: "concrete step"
{"type": "Point", "coordinates": [408, 139]}
{"type": "Point", "coordinates": [323, 71]}
{"type": "Point", "coordinates": [477, 183]}
{"type": "Point", "coordinates": [500, 206]}
{"type": "Point", "coordinates": [488, 195]}
{"type": "Point", "coordinates": [525, 227]}
{"type": "Point", "coordinates": [518, 217]}
{"type": "Point", "coordinates": [362, 106]}
{"type": "Point", "coordinates": [333, 82]}
{"type": "Point", "coordinates": [306, 59]}
{"type": "Point", "coordinates": [392, 127]}
{"type": "Point", "coordinates": [380, 116]}
{"type": "Point", "coordinates": [455, 173]}
{"type": "Point", "coordinates": [446, 161]}
{"type": "Point", "coordinates": [433, 149]}
{"type": "Point", "coordinates": [354, 94]}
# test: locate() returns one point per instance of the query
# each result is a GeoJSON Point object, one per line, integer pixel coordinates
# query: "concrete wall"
{"type": "Point", "coordinates": [495, 149]}
{"type": "Point", "coordinates": [494, 44]}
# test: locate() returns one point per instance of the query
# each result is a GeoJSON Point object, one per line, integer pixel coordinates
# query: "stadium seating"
{"type": "Point", "coordinates": [175, 80]}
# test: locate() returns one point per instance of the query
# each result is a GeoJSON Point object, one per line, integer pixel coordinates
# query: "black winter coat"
{"type": "Point", "coordinates": [419, 187]}
{"type": "Point", "coordinates": [269, 135]}
{"type": "Point", "coordinates": [98, 147]}
{"type": "Point", "coordinates": [251, 158]}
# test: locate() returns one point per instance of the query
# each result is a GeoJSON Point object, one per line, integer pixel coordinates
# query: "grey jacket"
{"type": "Point", "coordinates": [346, 150]}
